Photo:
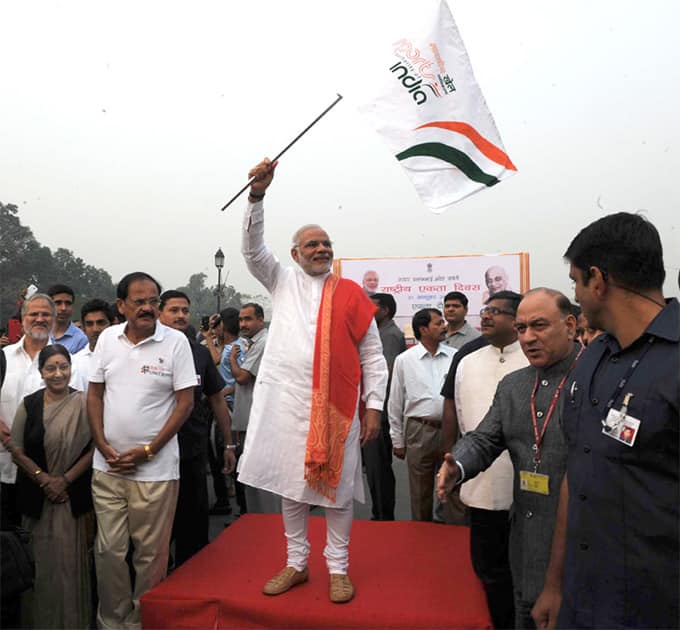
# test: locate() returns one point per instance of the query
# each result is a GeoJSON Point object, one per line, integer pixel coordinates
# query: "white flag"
{"type": "Point", "coordinates": [433, 116]}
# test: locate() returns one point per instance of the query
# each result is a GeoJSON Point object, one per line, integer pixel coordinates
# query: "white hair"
{"type": "Point", "coordinates": [301, 230]}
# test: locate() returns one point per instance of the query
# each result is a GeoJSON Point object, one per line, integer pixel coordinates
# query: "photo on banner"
{"type": "Point", "coordinates": [422, 282]}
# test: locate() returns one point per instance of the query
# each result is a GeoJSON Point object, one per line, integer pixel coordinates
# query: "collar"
{"type": "Point", "coordinates": [463, 330]}
{"type": "Point", "coordinates": [441, 349]}
{"type": "Point", "coordinates": [559, 368]}
{"type": "Point", "coordinates": [18, 348]}
{"type": "Point", "coordinates": [666, 325]}
{"type": "Point", "coordinates": [255, 338]}
{"type": "Point", "coordinates": [158, 335]}
{"type": "Point", "coordinates": [71, 331]}
{"type": "Point", "coordinates": [84, 351]}
{"type": "Point", "coordinates": [511, 349]}
{"type": "Point", "coordinates": [321, 277]}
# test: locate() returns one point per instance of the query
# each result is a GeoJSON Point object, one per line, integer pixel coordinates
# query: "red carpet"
{"type": "Point", "coordinates": [405, 574]}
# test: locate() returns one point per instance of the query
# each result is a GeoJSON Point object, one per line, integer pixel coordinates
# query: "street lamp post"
{"type": "Point", "coordinates": [219, 263]}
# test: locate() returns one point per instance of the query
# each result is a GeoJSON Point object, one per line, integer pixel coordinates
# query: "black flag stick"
{"type": "Point", "coordinates": [302, 133]}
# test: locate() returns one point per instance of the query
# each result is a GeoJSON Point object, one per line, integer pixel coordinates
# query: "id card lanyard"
{"type": "Point", "coordinates": [539, 435]}
{"type": "Point", "coordinates": [622, 383]}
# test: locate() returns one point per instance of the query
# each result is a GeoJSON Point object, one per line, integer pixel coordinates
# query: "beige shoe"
{"type": "Point", "coordinates": [341, 589]}
{"type": "Point", "coordinates": [285, 580]}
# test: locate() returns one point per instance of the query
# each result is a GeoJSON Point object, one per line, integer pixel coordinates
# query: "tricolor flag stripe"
{"type": "Point", "coordinates": [453, 156]}
{"type": "Point", "coordinates": [489, 149]}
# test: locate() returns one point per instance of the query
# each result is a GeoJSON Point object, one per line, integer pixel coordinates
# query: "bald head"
{"type": "Point", "coordinates": [562, 302]}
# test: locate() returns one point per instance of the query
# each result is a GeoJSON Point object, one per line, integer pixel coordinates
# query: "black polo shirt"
{"type": "Point", "coordinates": [622, 548]}
{"type": "Point", "coordinates": [193, 436]}
{"type": "Point", "coordinates": [449, 387]}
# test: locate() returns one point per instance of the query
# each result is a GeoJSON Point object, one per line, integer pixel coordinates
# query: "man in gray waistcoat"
{"type": "Point", "coordinates": [525, 418]}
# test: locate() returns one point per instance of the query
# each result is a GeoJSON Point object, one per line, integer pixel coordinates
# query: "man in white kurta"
{"type": "Point", "coordinates": [276, 441]}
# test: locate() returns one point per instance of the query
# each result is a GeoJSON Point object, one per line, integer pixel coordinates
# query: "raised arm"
{"type": "Point", "coordinates": [260, 260]}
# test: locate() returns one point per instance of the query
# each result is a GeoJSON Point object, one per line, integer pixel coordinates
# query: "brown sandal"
{"type": "Point", "coordinates": [341, 589]}
{"type": "Point", "coordinates": [285, 580]}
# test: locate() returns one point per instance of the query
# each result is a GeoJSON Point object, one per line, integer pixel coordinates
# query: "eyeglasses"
{"type": "Point", "coordinates": [315, 244]}
{"type": "Point", "coordinates": [492, 311]}
{"type": "Point", "coordinates": [139, 302]}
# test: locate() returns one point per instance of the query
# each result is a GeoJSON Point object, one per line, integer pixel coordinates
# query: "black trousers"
{"type": "Point", "coordinates": [378, 463]}
{"type": "Point", "coordinates": [216, 461]}
{"type": "Point", "coordinates": [489, 541]}
{"type": "Point", "coordinates": [10, 608]}
{"type": "Point", "coordinates": [191, 524]}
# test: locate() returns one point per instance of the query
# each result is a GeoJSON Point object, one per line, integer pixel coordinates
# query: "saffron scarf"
{"type": "Point", "coordinates": [345, 313]}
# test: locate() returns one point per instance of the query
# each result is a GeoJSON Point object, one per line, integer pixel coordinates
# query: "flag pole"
{"type": "Point", "coordinates": [302, 133]}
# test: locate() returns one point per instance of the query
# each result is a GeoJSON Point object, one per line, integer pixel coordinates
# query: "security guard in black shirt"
{"type": "Point", "coordinates": [614, 561]}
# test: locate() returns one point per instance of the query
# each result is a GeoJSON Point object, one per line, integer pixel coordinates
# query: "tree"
{"type": "Point", "coordinates": [204, 299]}
{"type": "Point", "coordinates": [24, 261]}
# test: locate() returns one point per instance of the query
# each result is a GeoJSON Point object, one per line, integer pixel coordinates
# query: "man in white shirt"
{"type": "Point", "coordinates": [415, 407]}
{"type": "Point", "coordinates": [304, 430]}
{"type": "Point", "coordinates": [21, 379]}
{"type": "Point", "coordinates": [95, 316]}
{"type": "Point", "coordinates": [489, 495]}
{"type": "Point", "coordinates": [142, 379]}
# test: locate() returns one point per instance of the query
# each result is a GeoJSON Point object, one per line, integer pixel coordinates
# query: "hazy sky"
{"type": "Point", "coordinates": [125, 126]}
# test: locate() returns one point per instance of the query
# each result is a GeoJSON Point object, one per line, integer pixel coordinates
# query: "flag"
{"type": "Point", "coordinates": [432, 115]}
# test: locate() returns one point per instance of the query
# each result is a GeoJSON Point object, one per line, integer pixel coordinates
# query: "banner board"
{"type": "Point", "coordinates": [421, 282]}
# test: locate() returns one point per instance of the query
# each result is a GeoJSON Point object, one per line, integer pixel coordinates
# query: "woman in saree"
{"type": "Point", "coordinates": [52, 448]}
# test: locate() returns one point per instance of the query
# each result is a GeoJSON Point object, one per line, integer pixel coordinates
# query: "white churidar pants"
{"type": "Point", "coordinates": [338, 527]}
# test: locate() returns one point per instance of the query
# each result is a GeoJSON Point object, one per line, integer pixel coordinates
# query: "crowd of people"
{"type": "Point", "coordinates": [552, 432]}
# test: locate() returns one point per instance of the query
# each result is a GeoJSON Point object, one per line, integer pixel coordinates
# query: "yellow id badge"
{"type": "Point", "coordinates": [534, 482]}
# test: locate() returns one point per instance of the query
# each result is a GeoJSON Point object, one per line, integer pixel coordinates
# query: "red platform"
{"type": "Point", "coordinates": [405, 574]}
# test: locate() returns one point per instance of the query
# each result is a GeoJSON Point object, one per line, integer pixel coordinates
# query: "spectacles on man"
{"type": "Point", "coordinates": [315, 244]}
{"type": "Point", "coordinates": [139, 302]}
{"type": "Point", "coordinates": [492, 311]}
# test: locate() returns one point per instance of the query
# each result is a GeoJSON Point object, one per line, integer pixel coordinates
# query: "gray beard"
{"type": "Point", "coordinates": [39, 334]}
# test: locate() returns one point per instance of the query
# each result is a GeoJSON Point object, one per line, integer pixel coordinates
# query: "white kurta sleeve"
{"type": "Point", "coordinates": [373, 368]}
{"type": "Point", "coordinates": [260, 260]}
{"type": "Point", "coordinates": [395, 404]}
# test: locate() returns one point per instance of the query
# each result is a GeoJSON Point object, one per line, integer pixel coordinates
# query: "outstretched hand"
{"type": "Point", "coordinates": [447, 477]}
{"type": "Point", "coordinates": [263, 174]}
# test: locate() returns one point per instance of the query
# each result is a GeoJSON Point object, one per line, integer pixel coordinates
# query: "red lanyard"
{"type": "Point", "coordinates": [538, 437]}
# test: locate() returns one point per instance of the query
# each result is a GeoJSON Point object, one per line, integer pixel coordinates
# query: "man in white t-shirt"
{"type": "Point", "coordinates": [142, 377]}
{"type": "Point", "coordinates": [95, 316]}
